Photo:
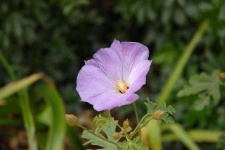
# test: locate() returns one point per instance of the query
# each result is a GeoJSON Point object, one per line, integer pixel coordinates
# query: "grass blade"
{"type": "Point", "coordinates": [58, 125]}
{"type": "Point", "coordinates": [28, 119]}
{"type": "Point", "coordinates": [180, 133]}
{"type": "Point", "coordinates": [197, 135]}
{"type": "Point", "coordinates": [23, 98]}
{"type": "Point", "coordinates": [182, 62]}
{"type": "Point", "coordinates": [17, 86]}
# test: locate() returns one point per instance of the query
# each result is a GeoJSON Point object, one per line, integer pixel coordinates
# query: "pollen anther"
{"type": "Point", "coordinates": [122, 86]}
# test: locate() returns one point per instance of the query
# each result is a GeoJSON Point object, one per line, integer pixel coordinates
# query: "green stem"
{"type": "Point", "coordinates": [136, 112]}
{"type": "Point", "coordinates": [143, 125]}
{"type": "Point", "coordinates": [182, 62]}
{"type": "Point", "coordinates": [139, 126]}
{"type": "Point", "coordinates": [146, 122]}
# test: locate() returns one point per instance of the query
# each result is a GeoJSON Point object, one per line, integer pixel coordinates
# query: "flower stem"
{"type": "Point", "coordinates": [146, 123]}
{"type": "Point", "coordinates": [139, 126]}
{"type": "Point", "coordinates": [136, 112]}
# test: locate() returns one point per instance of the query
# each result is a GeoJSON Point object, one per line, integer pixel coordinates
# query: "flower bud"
{"type": "Point", "coordinates": [116, 135]}
{"type": "Point", "coordinates": [71, 119]}
{"type": "Point", "coordinates": [126, 123]}
{"type": "Point", "coordinates": [157, 115]}
{"type": "Point", "coordinates": [222, 76]}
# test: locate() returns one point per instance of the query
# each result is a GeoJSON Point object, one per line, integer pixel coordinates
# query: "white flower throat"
{"type": "Point", "coordinates": [122, 86]}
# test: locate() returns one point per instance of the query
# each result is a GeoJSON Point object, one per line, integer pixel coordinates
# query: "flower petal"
{"type": "Point", "coordinates": [130, 53]}
{"type": "Point", "coordinates": [90, 62]}
{"type": "Point", "coordinates": [92, 82]}
{"type": "Point", "coordinates": [97, 80]}
{"type": "Point", "coordinates": [138, 74]}
{"type": "Point", "coordinates": [108, 101]}
{"type": "Point", "coordinates": [109, 62]}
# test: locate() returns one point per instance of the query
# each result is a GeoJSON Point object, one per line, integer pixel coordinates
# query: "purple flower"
{"type": "Point", "coordinates": [110, 79]}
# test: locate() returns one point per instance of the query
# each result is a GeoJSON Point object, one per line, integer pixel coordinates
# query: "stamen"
{"type": "Point", "coordinates": [122, 86]}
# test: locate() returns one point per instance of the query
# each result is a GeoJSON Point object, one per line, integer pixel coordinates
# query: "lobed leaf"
{"type": "Point", "coordinates": [132, 145]}
{"type": "Point", "coordinates": [206, 86]}
{"type": "Point", "coordinates": [106, 125]}
{"type": "Point", "coordinates": [169, 110]}
{"type": "Point", "coordinates": [109, 129]}
{"type": "Point", "coordinates": [150, 106]}
{"type": "Point", "coordinates": [96, 140]}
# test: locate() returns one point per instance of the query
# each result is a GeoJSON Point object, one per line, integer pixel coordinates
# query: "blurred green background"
{"type": "Point", "coordinates": [55, 37]}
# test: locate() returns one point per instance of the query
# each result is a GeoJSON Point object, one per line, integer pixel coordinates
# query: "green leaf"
{"type": "Point", "coordinates": [58, 123]}
{"type": "Point", "coordinates": [132, 145]}
{"type": "Point", "coordinates": [150, 106]}
{"type": "Point", "coordinates": [14, 87]}
{"type": "Point", "coordinates": [168, 120]}
{"type": "Point", "coordinates": [170, 110]}
{"type": "Point", "coordinates": [197, 135]}
{"type": "Point", "coordinates": [43, 116]}
{"type": "Point", "coordinates": [96, 140]}
{"type": "Point", "coordinates": [183, 136]}
{"type": "Point", "coordinates": [137, 144]}
{"type": "Point", "coordinates": [123, 145]}
{"type": "Point", "coordinates": [28, 118]}
{"type": "Point", "coordinates": [202, 101]}
{"type": "Point", "coordinates": [162, 107]}
{"type": "Point", "coordinates": [206, 86]}
{"type": "Point", "coordinates": [101, 121]}
{"type": "Point", "coordinates": [177, 70]}
{"type": "Point", "coordinates": [20, 87]}
{"type": "Point", "coordinates": [103, 135]}
{"type": "Point", "coordinates": [109, 129]}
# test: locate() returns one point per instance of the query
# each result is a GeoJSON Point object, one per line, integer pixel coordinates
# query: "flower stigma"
{"type": "Point", "coordinates": [122, 86]}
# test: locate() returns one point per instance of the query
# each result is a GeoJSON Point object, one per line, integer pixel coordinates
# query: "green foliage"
{"type": "Point", "coordinates": [168, 111]}
{"type": "Point", "coordinates": [54, 102]}
{"type": "Point", "coordinates": [103, 134]}
{"type": "Point", "coordinates": [99, 141]}
{"type": "Point", "coordinates": [105, 125]}
{"type": "Point", "coordinates": [102, 120]}
{"type": "Point", "coordinates": [207, 87]}
{"type": "Point", "coordinates": [132, 145]}
{"type": "Point", "coordinates": [182, 135]}
{"type": "Point", "coordinates": [221, 143]}
{"type": "Point", "coordinates": [58, 124]}
{"type": "Point", "coordinates": [48, 36]}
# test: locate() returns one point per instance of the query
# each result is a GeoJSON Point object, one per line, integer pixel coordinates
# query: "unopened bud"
{"type": "Point", "coordinates": [157, 115]}
{"type": "Point", "coordinates": [126, 123]}
{"type": "Point", "coordinates": [71, 119]}
{"type": "Point", "coordinates": [116, 135]}
{"type": "Point", "coordinates": [222, 76]}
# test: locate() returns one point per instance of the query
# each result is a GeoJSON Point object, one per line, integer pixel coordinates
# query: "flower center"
{"type": "Point", "coordinates": [122, 86]}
